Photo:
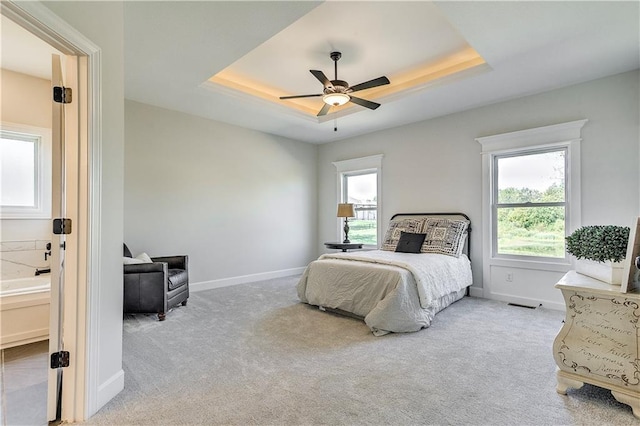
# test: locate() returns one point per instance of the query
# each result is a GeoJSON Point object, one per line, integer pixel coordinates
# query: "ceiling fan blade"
{"type": "Point", "coordinates": [300, 96]}
{"type": "Point", "coordinates": [323, 78]}
{"type": "Point", "coordinates": [380, 81]}
{"type": "Point", "coordinates": [324, 110]}
{"type": "Point", "coordinates": [365, 103]}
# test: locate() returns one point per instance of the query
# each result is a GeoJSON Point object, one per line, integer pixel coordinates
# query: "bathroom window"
{"type": "Point", "coordinates": [25, 172]}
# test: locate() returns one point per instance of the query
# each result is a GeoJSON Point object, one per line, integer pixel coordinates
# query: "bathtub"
{"type": "Point", "coordinates": [24, 310]}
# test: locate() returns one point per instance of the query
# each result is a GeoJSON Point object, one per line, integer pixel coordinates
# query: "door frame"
{"type": "Point", "coordinates": [81, 385]}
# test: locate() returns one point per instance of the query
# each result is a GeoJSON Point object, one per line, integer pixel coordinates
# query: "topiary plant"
{"type": "Point", "coordinates": [599, 243]}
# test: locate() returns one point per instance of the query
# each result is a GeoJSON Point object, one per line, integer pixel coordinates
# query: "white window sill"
{"type": "Point", "coordinates": [562, 265]}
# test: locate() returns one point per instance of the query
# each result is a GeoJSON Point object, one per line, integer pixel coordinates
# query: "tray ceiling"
{"type": "Point", "coordinates": [230, 61]}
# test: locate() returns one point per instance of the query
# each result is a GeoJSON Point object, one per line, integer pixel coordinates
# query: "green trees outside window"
{"type": "Point", "coordinates": [361, 189]}
{"type": "Point", "coordinates": [363, 231]}
{"type": "Point", "coordinates": [530, 207]}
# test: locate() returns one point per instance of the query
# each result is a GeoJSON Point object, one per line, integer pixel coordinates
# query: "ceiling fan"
{"type": "Point", "coordinates": [338, 92]}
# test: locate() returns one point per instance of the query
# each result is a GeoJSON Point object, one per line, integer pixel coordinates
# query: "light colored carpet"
{"type": "Point", "coordinates": [252, 354]}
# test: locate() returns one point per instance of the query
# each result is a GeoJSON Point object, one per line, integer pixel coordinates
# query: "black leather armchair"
{"type": "Point", "coordinates": [156, 287]}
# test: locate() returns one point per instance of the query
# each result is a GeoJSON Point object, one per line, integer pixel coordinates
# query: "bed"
{"type": "Point", "coordinates": [396, 291]}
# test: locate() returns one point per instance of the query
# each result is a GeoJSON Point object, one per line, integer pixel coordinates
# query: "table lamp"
{"type": "Point", "coordinates": [346, 210]}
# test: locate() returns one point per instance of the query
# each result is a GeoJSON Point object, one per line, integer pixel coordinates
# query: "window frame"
{"type": "Point", "coordinates": [558, 135]}
{"type": "Point", "coordinates": [42, 171]}
{"type": "Point", "coordinates": [495, 205]}
{"type": "Point", "coordinates": [354, 167]}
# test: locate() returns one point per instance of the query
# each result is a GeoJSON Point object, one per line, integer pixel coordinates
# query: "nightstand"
{"type": "Point", "coordinates": [343, 246]}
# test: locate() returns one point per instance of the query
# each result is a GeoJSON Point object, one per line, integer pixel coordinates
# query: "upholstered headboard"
{"type": "Point", "coordinates": [446, 215]}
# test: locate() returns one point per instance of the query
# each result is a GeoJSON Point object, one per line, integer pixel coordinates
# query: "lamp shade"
{"type": "Point", "coordinates": [346, 210]}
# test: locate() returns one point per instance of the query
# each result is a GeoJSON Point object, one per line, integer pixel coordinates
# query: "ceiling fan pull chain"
{"type": "Point", "coordinates": [335, 124]}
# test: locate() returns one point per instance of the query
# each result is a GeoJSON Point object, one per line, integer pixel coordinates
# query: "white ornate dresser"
{"type": "Point", "coordinates": [599, 342]}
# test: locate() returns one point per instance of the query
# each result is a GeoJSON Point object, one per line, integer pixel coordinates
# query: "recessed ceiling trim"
{"type": "Point", "coordinates": [252, 88]}
{"type": "Point", "coordinates": [423, 77]}
{"type": "Point", "coordinates": [227, 90]}
{"type": "Point", "coordinates": [402, 84]}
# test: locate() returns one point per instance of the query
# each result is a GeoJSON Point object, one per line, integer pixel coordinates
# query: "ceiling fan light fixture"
{"type": "Point", "coordinates": [336, 92]}
{"type": "Point", "coordinates": [336, 99]}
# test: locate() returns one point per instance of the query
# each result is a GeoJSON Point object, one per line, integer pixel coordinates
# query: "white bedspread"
{"type": "Point", "coordinates": [435, 274]}
{"type": "Point", "coordinates": [396, 292]}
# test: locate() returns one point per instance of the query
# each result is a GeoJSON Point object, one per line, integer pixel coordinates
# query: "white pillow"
{"type": "Point", "coordinates": [131, 260]}
{"type": "Point", "coordinates": [141, 258]}
{"type": "Point", "coordinates": [144, 257]}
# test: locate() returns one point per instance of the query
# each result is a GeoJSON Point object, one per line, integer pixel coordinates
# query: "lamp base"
{"type": "Point", "coordinates": [346, 231]}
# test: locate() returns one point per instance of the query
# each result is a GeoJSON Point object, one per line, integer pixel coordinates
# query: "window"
{"type": "Point", "coordinates": [531, 194]}
{"type": "Point", "coordinates": [530, 203]}
{"type": "Point", "coordinates": [25, 172]}
{"type": "Point", "coordinates": [18, 156]}
{"type": "Point", "coordinates": [359, 183]}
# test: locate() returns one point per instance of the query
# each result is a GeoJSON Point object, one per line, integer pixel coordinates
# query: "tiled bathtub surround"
{"type": "Point", "coordinates": [20, 259]}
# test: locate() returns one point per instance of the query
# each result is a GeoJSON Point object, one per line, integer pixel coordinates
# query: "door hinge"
{"type": "Point", "coordinates": [62, 95]}
{"type": "Point", "coordinates": [59, 359]}
{"type": "Point", "coordinates": [61, 226]}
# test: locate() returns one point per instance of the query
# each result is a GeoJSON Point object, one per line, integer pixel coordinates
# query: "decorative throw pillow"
{"type": "Point", "coordinates": [410, 242]}
{"type": "Point", "coordinates": [392, 236]}
{"type": "Point", "coordinates": [141, 258]}
{"type": "Point", "coordinates": [131, 260]}
{"type": "Point", "coordinates": [144, 257]}
{"type": "Point", "coordinates": [444, 236]}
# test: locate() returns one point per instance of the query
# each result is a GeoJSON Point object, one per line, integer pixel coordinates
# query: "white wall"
{"type": "Point", "coordinates": [25, 100]}
{"type": "Point", "coordinates": [238, 202]}
{"type": "Point", "coordinates": [435, 165]}
{"type": "Point", "coordinates": [102, 23]}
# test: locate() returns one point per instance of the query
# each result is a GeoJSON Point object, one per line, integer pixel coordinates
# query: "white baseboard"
{"type": "Point", "coordinates": [525, 301]}
{"type": "Point", "coordinates": [109, 389]}
{"type": "Point", "coordinates": [243, 279]}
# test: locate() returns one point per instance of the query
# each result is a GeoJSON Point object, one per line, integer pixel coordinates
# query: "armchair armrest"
{"type": "Point", "coordinates": [143, 268]}
{"type": "Point", "coordinates": [174, 262]}
{"type": "Point", "coordinates": [145, 288]}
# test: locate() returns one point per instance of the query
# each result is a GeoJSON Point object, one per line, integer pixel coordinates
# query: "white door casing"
{"type": "Point", "coordinates": [81, 385]}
